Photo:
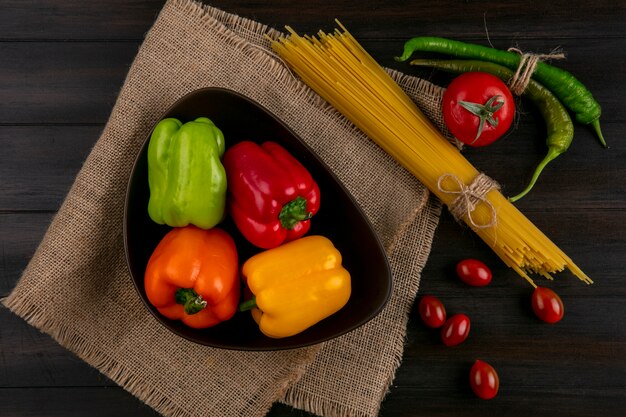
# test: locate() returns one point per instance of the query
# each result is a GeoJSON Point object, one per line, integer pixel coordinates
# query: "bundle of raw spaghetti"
{"type": "Point", "coordinates": [343, 73]}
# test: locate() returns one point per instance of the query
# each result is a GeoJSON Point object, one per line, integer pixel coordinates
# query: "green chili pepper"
{"type": "Point", "coordinates": [572, 93]}
{"type": "Point", "coordinates": [559, 125]}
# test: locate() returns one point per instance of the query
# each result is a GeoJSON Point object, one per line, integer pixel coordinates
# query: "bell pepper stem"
{"type": "Point", "coordinates": [191, 300]}
{"type": "Point", "coordinates": [293, 212]}
{"type": "Point", "coordinates": [248, 304]}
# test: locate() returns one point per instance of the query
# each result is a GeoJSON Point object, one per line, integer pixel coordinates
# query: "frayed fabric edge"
{"type": "Point", "coordinates": [94, 357]}
{"type": "Point", "coordinates": [121, 375]}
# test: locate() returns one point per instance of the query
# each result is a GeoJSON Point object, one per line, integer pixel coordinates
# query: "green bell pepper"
{"type": "Point", "coordinates": [186, 177]}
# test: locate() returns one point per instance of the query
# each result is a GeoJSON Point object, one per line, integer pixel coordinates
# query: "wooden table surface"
{"type": "Point", "coordinates": [62, 64]}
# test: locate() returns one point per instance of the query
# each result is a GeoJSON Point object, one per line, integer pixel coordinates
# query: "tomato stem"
{"type": "Point", "coordinates": [484, 112]}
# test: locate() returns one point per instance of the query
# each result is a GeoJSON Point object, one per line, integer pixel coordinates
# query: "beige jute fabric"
{"type": "Point", "coordinates": [77, 288]}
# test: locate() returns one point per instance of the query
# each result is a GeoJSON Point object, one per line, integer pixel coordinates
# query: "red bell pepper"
{"type": "Point", "coordinates": [271, 196]}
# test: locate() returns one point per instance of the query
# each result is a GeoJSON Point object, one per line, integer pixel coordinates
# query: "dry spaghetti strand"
{"type": "Point", "coordinates": [339, 69]}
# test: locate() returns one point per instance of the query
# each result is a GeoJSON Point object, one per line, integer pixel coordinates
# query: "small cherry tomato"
{"type": "Point", "coordinates": [547, 305]}
{"type": "Point", "coordinates": [484, 380]}
{"type": "Point", "coordinates": [455, 330]}
{"type": "Point", "coordinates": [473, 272]}
{"type": "Point", "coordinates": [432, 311]}
{"type": "Point", "coordinates": [478, 108]}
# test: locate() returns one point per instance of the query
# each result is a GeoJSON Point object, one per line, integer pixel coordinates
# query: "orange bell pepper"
{"type": "Point", "coordinates": [295, 285]}
{"type": "Point", "coordinates": [193, 276]}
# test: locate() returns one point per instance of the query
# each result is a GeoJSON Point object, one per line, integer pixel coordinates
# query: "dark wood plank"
{"type": "Point", "coordinates": [38, 164]}
{"type": "Point", "coordinates": [111, 401]}
{"type": "Point", "coordinates": [50, 19]}
{"type": "Point", "coordinates": [78, 82]}
{"type": "Point", "coordinates": [61, 82]}
{"type": "Point", "coordinates": [565, 369]}
{"type": "Point", "coordinates": [31, 359]}
{"type": "Point", "coordinates": [578, 234]}
{"type": "Point", "coordinates": [119, 19]}
{"type": "Point", "coordinates": [20, 234]}
{"type": "Point", "coordinates": [65, 402]}
{"type": "Point", "coordinates": [410, 402]}
{"type": "Point", "coordinates": [94, 402]}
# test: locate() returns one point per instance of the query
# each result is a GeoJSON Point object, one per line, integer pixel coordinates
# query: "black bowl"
{"type": "Point", "coordinates": [339, 219]}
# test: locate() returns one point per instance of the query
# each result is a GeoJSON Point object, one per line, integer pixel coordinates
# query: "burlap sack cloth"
{"type": "Point", "coordinates": [77, 288]}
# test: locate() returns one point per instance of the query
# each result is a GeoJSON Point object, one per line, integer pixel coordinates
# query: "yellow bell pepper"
{"type": "Point", "coordinates": [295, 285]}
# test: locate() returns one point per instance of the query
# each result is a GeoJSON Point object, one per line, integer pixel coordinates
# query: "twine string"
{"type": "Point", "coordinates": [527, 65]}
{"type": "Point", "coordinates": [469, 196]}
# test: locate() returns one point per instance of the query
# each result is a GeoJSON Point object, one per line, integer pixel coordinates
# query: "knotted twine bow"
{"type": "Point", "coordinates": [527, 65]}
{"type": "Point", "coordinates": [469, 196]}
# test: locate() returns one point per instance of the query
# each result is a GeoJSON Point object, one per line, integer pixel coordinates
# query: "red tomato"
{"type": "Point", "coordinates": [547, 305]}
{"type": "Point", "coordinates": [432, 311]}
{"type": "Point", "coordinates": [473, 272]}
{"type": "Point", "coordinates": [478, 108]}
{"type": "Point", "coordinates": [484, 380]}
{"type": "Point", "coordinates": [455, 330]}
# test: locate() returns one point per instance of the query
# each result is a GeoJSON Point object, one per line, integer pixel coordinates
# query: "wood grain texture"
{"type": "Point", "coordinates": [63, 63]}
{"type": "Point", "coordinates": [79, 401]}
{"type": "Point", "coordinates": [77, 82]}
{"type": "Point", "coordinates": [123, 20]}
